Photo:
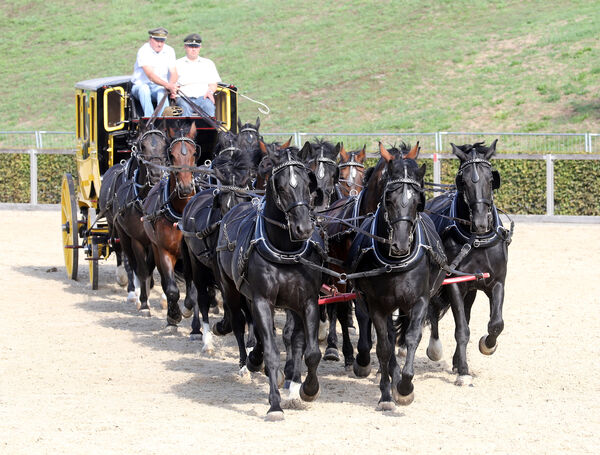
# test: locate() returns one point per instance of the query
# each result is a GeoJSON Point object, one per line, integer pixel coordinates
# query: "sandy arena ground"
{"type": "Point", "coordinates": [82, 373]}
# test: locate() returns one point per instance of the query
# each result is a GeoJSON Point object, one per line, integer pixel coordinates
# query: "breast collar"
{"type": "Point", "coordinates": [404, 264]}
{"type": "Point", "coordinates": [481, 241]}
{"type": "Point", "coordinates": [261, 242]}
{"type": "Point", "coordinates": [169, 212]}
{"type": "Point", "coordinates": [356, 209]}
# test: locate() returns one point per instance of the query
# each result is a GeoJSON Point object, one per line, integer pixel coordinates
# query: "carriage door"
{"type": "Point", "coordinates": [114, 116]}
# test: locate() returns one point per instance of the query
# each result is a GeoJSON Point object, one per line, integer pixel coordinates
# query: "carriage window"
{"type": "Point", "coordinates": [223, 106]}
{"type": "Point", "coordinates": [114, 109]}
{"type": "Point", "coordinates": [93, 117]}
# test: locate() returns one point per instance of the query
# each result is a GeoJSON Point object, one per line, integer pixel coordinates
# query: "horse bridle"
{"type": "Point", "coordinates": [390, 223]}
{"type": "Point", "coordinates": [475, 178]}
{"type": "Point", "coordinates": [353, 164]}
{"type": "Point", "coordinates": [321, 161]}
{"type": "Point", "coordinates": [141, 159]}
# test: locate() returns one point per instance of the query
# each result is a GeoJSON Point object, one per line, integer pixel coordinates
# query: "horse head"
{"type": "Point", "coordinates": [352, 169]}
{"type": "Point", "coordinates": [290, 190]}
{"type": "Point", "coordinates": [226, 142]}
{"type": "Point", "coordinates": [321, 158]}
{"type": "Point", "coordinates": [402, 198]}
{"type": "Point", "coordinates": [234, 172]}
{"type": "Point", "coordinates": [182, 155]}
{"type": "Point", "coordinates": [476, 181]}
{"type": "Point", "coordinates": [152, 145]}
{"type": "Point", "coordinates": [248, 135]}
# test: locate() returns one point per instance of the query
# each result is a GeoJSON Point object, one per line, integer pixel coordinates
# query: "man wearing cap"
{"type": "Point", "coordinates": [154, 71]}
{"type": "Point", "coordinates": [198, 78]}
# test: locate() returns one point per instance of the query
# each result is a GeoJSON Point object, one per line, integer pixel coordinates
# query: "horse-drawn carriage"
{"type": "Point", "coordinates": [108, 120]}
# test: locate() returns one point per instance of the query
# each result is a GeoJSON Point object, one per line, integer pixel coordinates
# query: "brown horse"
{"type": "Point", "coordinates": [352, 169]}
{"type": "Point", "coordinates": [163, 208]}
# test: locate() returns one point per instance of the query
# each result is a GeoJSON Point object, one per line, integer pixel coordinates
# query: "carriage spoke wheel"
{"type": "Point", "coordinates": [92, 252]}
{"type": "Point", "coordinates": [70, 239]}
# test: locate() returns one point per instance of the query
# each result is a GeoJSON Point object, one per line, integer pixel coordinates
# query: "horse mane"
{"type": "Point", "coordinates": [328, 148]}
{"type": "Point", "coordinates": [178, 125]}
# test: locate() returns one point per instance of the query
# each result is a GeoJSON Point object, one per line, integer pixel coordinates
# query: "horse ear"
{"type": "Point", "coordinates": [421, 171]}
{"type": "Point", "coordinates": [306, 151]}
{"type": "Point", "coordinates": [491, 150]}
{"type": "Point", "coordinates": [344, 153]}
{"type": "Point", "coordinates": [362, 155]}
{"type": "Point", "coordinates": [287, 144]}
{"type": "Point", "coordinates": [458, 152]}
{"type": "Point", "coordinates": [263, 147]}
{"type": "Point", "coordinates": [384, 153]}
{"type": "Point", "coordinates": [338, 147]}
{"type": "Point", "coordinates": [414, 152]}
{"type": "Point", "coordinates": [257, 123]}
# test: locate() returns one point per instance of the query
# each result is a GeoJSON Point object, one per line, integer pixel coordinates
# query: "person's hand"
{"type": "Point", "coordinates": [210, 95]}
{"type": "Point", "coordinates": [172, 88]}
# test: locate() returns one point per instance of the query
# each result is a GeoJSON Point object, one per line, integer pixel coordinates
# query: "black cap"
{"type": "Point", "coordinates": [193, 40]}
{"type": "Point", "coordinates": [159, 33]}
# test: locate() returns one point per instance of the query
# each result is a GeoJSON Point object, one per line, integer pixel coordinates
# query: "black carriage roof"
{"type": "Point", "coordinates": [95, 84]}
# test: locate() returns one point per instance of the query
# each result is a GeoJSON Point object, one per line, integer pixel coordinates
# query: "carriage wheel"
{"type": "Point", "coordinates": [93, 251]}
{"type": "Point", "coordinates": [70, 239]}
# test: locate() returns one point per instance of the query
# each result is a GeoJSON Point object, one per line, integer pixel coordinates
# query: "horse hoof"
{"type": "Point", "coordinates": [360, 371]}
{"type": "Point", "coordinates": [243, 372]}
{"type": "Point", "coordinates": [186, 313]}
{"type": "Point", "coordinates": [434, 350]}
{"type": "Point", "coordinates": [133, 298]}
{"type": "Point", "coordinates": [173, 321]}
{"type": "Point", "coordinates": [208, 349]}
{"type": "Point", "coordinates": [195, 336]}
{"type": "Point", "coordinates": [145, 312]}
{"type": "Point", "coordinates": [331, 354]}
{"type": "Point", "coordinates": [464, 380]}
{"type": "Point", "coordinates": [170, 330]}
{"type": "Point", "coordinates": [401, 351]}
{"type": "Point", "coordinates": [386, 406]}
{"type": "Point", "coordinates": [323, 329]}
{"type": "Point", "coordinates": [275, 416]}
{"type": "Point", "coordinates": [214, 328]}
{"type": "Point", "coordinates": [483, 347]}
{"type": "Point", "coordinates": [348, 368]}
{"type": "Point", "coordinates": [252, 367]}
{"type": "Point", "coordinates": [403, 400]}
{"type": "Point", "coordinates": [309, 398]}
{"type": "Point", "coordinates": [122, 276]}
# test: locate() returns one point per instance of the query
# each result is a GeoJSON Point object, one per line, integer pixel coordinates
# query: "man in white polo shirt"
{"type": "Point", "coordinates": [154, 71]}
{"type": "Point", "coordinates": [198, 78]}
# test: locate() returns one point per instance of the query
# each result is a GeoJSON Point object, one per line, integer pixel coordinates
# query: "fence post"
{"type": "Point", "coordinates": [33, 170]}
{"type": "Point", "coordinates": [549, 184]}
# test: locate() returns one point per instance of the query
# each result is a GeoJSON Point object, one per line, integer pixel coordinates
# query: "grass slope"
{"type": "Point", "coordinates": [348, 66]}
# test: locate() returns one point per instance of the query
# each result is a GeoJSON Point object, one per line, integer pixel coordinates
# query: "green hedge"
{"type": "Point", "coordinates": [523, 185]}
{"type": "Point", "coordinates": [523, 189]}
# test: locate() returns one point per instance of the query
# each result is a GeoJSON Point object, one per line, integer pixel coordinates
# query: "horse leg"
{"type": "Point", "coordinates": [312, 354]}
{"type": "Point", "coordinates": [142, 272]}
{"type": "Point", "coordinates": [489, 343]}
{"type": "Point", "coordinates": [404, 391]}
{"type": "Point", "coordinates": [322, 323]}
{"type": "Point", "coordinates": [294, 340]}
{"type": "Point", "coordinates": [331, 353]}
{"type": "Point", "coordinates": [190, 289]}
{"type": "Point", "coordinates": [434, 349]}
{"type": "Point", "coordinates": [263, 320]}
{"type": "Point", "coordinates": [343, 310]}
{"type": "Point", "coordinates": [223, 327]}
{"type": "Point", "coordinates": [288, 329]}
{"type": "Point", "coordinates": [461, 334]}
{"type": "Point", "coordinates": [362, 362]}
{"type": "Point", "coordinates": [251, 341]}
{"type": "Point", "coordinates": [232, 301]}
{"type": "Point", "coordinates": [384, 353]}
{"type": "Point", "coordinates": [127, 250]}
{"type": "Point", "coordinates": [166, 267]}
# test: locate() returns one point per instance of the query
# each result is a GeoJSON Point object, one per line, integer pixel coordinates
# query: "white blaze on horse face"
{"type": "Point", "coordinates": [321, 172]}
{"type": "Point", "coordinates": [293, 179]}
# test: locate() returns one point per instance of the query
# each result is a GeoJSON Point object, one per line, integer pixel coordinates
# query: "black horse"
{"type": "Point", "coordinates": [396, 261]}
{"type": "Point", "coordinates": [200, 223]}
{"type": "Point", "coordinates": [270, 253]}
{"type": "Point", "coordinates": [475, 241]}
{"type": "Point", "coordinates": [140, 175]}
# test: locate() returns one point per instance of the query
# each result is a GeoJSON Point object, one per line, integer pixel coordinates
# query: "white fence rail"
{"type": "Point", "coordinates": [537, 146]}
